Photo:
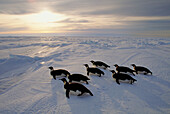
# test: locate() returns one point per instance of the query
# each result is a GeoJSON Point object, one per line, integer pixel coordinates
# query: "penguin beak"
{"type": "Point", "coordinates": [51, 68]}
{"type": "Point", "coordinates": [112, 71]}
{"type": "Point", "coordinates": [61, 79]}
{"type": "Point", "coordinates": [132, 64]}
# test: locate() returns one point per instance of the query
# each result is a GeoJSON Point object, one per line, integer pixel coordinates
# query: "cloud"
{"type": "Point", "coordinates": [70, 20]}
{"type": "Point", "coordinates": [114, 7]}
{"type": "Point", "coordinates": [107, 16]}
{"type": "Point", "coordinates": [90, 7]}
{"type": "Point", "coordinates": [146, 24]}
{"type": "Point", "coordinates": [20, 7]}
{"type": "Point", "coordinates": [9, 29]}
{"type": "Point", "coordinates": [16, 9]}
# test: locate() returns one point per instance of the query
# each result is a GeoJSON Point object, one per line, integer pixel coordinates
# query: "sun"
{"type": "Point", "coordinates": [44, 21]}
{"type": "Point", "coordinates": [46, 17]}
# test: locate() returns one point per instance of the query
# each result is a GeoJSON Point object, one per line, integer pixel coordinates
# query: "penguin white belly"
{"type": "Point", "coordinates": [125, 81]}
{"type": "Point", "coordinates": [95, 74]}
{"type": "Point", "coordinates": [62, 74]}
{"type": "Point", "coordinates": [141, 72]}
{"type": "Point", "coordinates": [103, 67]}
{"type": "Point", "coordinates": [122, 81]}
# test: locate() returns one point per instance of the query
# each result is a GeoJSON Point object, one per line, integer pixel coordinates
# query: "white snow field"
{"type": "Point", "coordinates": [27, 87]}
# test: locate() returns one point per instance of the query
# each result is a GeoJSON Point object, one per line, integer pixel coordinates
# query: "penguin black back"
{"type": "Point", "coordinates": [124, 69]}
{"type": "Point", "coordinates": [99, 64]}
{"type": "Point", "coordinates": [141, 69]}
{"type": "Point", "coordinates": [121, 76]}
{"type": "Point", "coordinates": [93, 70]}
{"type": "Point", "coordinates": [74, 87]}
{"type": "Point", "coordinates": [78, 77]}
{"type": "Point", "coordinates": [58, 72]}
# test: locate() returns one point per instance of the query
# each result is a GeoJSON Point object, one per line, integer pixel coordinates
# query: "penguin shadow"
{"type": "Point", "coordinates": [85, 103]}
{"type": "Point", "coordinates": [59, 98]}
{"type": "Point", "coordinates": [154, 78]}
{"type": "Point", "coordinates": [105, 97]}
{"type": "Point", "coordinates": [142, 91]}
{"type": "Point", "coordinates": [44, 101]}
{"type": "Point", "coordinates": [54, 84]}
{"type": "Point", "coordinates": [158, 80]}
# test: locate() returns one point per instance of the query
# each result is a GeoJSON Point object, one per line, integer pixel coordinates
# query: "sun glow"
{"type": "Point", "coordinates": [46, 17]}
{"type": "Point", "coordinates": [44, 21]}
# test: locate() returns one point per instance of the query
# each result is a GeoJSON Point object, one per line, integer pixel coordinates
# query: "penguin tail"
{"type": "Point", "coordinates": [133, 74]}
{"type": "Point", "coordinates": [54, 77]}
{"type": "Point", "coordinates": [151, 72]}
{"type": "Point", "coordinates": [134, 80]}
{"type": "Point", "coordinates": [103, 73]}
{"type": "Point", "coordinates": [88, 79]}
{"type": "Point", "coordinates": [90, 92]}
{"type": "Point", "coordinates": [133, 70]}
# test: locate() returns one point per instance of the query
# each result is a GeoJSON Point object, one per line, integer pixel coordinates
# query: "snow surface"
{"type": "Point", "coordinates": [27, 87]}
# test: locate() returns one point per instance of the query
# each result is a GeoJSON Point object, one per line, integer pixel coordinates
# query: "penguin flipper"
{"type": "Point", "coordinates": [133, 74]}
{"type": "Point", "coordinates": [117, 80]}
{"type": "Point", "coordinates": [80, 94]}
{"type": "Point", "coordinates": [87, 73]}
{"type": "Point", "coordinates": [90, 93]}
{"type": "Point", "coordinates": [136, 72]}
{"type": "Point", "coordinates": [86, 82]}
{"type": "Point", "coordinates": [54, 77]}
{"type": "Point", "coordinates": [67, 93]}
{"type": "Point", "coordinates": [151, 73]}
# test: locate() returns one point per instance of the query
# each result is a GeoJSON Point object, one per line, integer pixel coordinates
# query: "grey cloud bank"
{"type": "Point", "coordinates": [90, 7]}
{"type": "Point", "coordinates": [94, 9]}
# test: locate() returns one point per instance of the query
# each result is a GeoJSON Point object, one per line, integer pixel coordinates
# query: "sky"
{"type": "Point", "coordinates": [85, 17]}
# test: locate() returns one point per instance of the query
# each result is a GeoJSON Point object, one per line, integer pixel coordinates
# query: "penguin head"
{"type": "Point", "coordinates": [92, 61]}
{"type": "Point", "coordinates": [51, 68]}
{"type": "Point", "coordinates": [116, 65]}
{"type": "Point", "coordinates": [112, 71]}
{"type": "Point", "coordinates": [114, 75]}
{"type": "Point", "coordinates": [133, 65]}
{"type": "Point", "coordinates": [64, 80]}
{"type": "Point", "coordinates": [86, 65]}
